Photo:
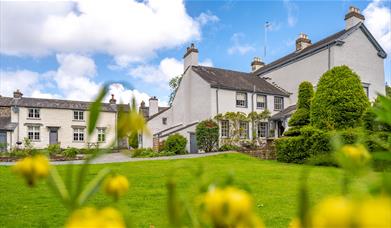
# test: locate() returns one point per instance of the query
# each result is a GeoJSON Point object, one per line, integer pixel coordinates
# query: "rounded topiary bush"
{"type": "Point", "coordinates": [207, 133]}
{"type": "Point", "coordinates": [339, 101]}
{"type": "Point", "coordinates": [306, 92]}
{"type": "Point", "coordinates": [175, 143]}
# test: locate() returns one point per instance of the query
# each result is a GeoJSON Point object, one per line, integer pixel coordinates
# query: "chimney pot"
{"type": "Point", "coordinates": [191, 57]}
{"type": "Point", "coordinates": [112, 100]}
{"type": "Point", "coordinates": [18, 94]}
{"type": "Point", "coordinates": [353, 17]}
{"type": "Point", "coordinates": [302, 42]}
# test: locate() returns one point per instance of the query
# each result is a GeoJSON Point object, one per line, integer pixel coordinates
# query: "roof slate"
{"type": "Point", "coordinates": [236, 80]}
{"type": "Point", "coordinates": [284, 113]}
{"type": "Point", "coordinates": [52, 103]}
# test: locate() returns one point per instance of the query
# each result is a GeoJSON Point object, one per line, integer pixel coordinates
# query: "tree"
{"type": "Point", "coordinates": [207, 133]}
{"type": "Point", "coordinates": [388, 91]}
{"type": "Point", "coordinates": [174, 84]}
{"type": "Point", "coordinates": [339, 101]}
{"type": "Point", "coordinates": [301, 117]}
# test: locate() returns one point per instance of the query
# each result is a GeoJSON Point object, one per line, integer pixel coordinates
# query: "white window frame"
{"type": "Point", "coordinates": [244, 129]}
{"type": "Point", "coordinates": [101, 135]}
{"type": "Point", "coordinates": [241, 103]}
{"type": "Point", "coordinates": [264, 103]}
{"type": "Point", "coordinates": [78, 134]}
{"type": "Point", "coordinates": [78, 115]}
{"type": "Point", "coordinates": [276, 105]}
{"type": "Point", "coordinates": [34, 113]}
{"type": "Point", "coordinates": [33, 133]}
{"type": "Point", "coordinates": [224, 128]}
{"type": "Point", "coordinates": [263, 129]}
{"type": "Point", "coordinates": [366, 90]}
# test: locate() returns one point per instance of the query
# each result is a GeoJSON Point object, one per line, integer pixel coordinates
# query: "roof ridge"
{"type": "Point", "coordinates": [235, 71]}
{"type": "Point", "coordinates": [53, 99]}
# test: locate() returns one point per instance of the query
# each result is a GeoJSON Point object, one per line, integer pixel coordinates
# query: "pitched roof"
{"type": "Point", "coordinates": [335, 38]}
{"type": "Point", "coordinates": [235, 80]}
{"type": "Point", "coordinates": [6, 124]}
{"type": "Point", "coordinates": [145, 111]}
{"type": "Point", "coordinates": [52, 103]}
{"type": "Point", "coordinates": [284, 113]}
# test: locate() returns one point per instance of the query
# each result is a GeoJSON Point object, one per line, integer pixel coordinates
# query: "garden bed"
{"type": "Point", "coordinates": [52, 158]}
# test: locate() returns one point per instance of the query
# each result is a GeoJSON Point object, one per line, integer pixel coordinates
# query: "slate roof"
{"type": "Point", "coordinates": [145, 111]}
{"type": "Point", "coordinates": [52, 103]}
{"type": "Point", "coordinates": [6, 125]}
{"type": "Point", "coordinates": [330, 40]}
{"type": "Point", "coordinates": [236, 80]}
{"type": "Point", "coordinates": [284, 113]}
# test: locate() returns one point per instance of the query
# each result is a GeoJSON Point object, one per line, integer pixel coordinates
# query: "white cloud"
{"type": "Point", "coordinates": [292, 11]}
{"type": "Point", "coordinates": [128, 30]}
{"type": "Point", "coordinates": [125, 95]}
{"type": "Point", "coordinates": [206, 62]}
{"type": "Point", "coordinates": [208, 17]}
{"type": "Point", "coordinates": [378, 20]}
{"type": "Point", "coordinates": [24, 80]}
{"type": "Point", "coordinates": [238, 47]}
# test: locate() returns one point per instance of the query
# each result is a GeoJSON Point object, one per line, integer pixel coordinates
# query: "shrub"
{"type": "Point", "coordinates": [339, 101]}
{"type": "Point", "coordinates": [149, 153]}
{"type": "Point", "coordinates": [228, 147]}
{"type": "Point", "coordinates": [323, 160]}
{"type": "Point", "coordinates": [207, 133]}
{"type": "Point", "coordinates": [133, 140]}
{"type": "Point", "coordinates": [70, 152]}
{"type": "Point", "coordinates": [54, 149]}
{"type": "Point", "coordinates": [316, 141]}
{"type": "Point", "coordinates": [291, 149]}
{"type": "Point", "coordinates": [176, 143]}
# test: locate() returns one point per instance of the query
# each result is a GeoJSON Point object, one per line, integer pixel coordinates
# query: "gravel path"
{"type": "Point", "coordinates": [119, 158]}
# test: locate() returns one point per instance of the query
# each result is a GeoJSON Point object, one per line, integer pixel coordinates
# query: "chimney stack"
{"type": "Point", "coordinates": [191, 57]}
{"type": "Point", "coordinates": [353, 17]}
{"type": "Point", "coordinates": [153, 105]}
{"type": "Point", "coordinates": [302, 42]}
{"type": "Point", "coordinates": [18, 94]}
{"type": "Point", "coordinates": [256, 64]}
{"type": "Point", "coordinates": [112, 100]}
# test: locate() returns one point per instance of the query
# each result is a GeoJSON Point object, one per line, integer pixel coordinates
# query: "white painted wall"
{"type": "Point", "coordinates": [361, 56]}
{"type": "Point", "coordinates": [62, 118]}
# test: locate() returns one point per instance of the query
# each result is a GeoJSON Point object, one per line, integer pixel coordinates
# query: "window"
{"type": "Point", "coordinates": [243, 130]}
{"type": "Point", "coordinates": [164, 120]}
{"type": "Point", "coordinates": [366, 90]}
{"type": "Point", "coordinates": [261, 101]}
{"type": "Point", "coordinates": [78, 115]}
{"type": "Point", "coordinates": [241, 99]}
{"type": "Point", "coordinates": [78, 134]}
{"type": "Point", "coordinates": [278, 103]}
{"type": "Point", "coordinates": [101, 135]}
{"type": "Point", "coordinates": [262, 129]}
{"type": "Point", "coordinates": [33, 133]}
{"type": "Point", "coordinates": [225, 128]}
{"type": "Point", "coordinates": [33, 113]}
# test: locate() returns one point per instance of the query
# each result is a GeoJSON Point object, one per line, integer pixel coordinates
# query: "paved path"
{"type": "Point", "coordinates": [119, 158]}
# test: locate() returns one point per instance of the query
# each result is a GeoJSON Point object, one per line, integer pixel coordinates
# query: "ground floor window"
{"type": "Point", "coordinates": [101, 135]}
{"type": "Point", "coordinates": [243, 130]}
{"type": "Point", "coordinates": [33, 133]}
{"type": "Point", "coordinates": [78, 134]}
{"type": "Point", "coordinates": [262, 129]}
{"type": "Point", "coordinates": [225, 128]}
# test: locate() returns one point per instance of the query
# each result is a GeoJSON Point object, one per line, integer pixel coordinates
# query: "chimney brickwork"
{"type": "Point", "coordinates": [302, 42]}
{"type": "Point", "coordinates": [353, 17]}
{"type": "Point", "coordinates": [191, 57]}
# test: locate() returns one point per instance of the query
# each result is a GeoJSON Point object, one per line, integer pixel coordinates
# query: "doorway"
{"type": "Point", "coordinates": [3, 141]}
{"type": "Point", "coordinates": [53, 136]}
{"type": "Point", "coordinates": [193, 143]}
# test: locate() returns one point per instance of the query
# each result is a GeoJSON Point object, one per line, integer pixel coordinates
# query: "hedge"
{"type": "Point", "coordinates": [175, 143]}
{"type": "Point", "coordinates": [207, 134]}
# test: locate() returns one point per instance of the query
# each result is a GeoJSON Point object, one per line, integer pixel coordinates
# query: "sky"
{"type": "Point", "coordinates": [69, 49]}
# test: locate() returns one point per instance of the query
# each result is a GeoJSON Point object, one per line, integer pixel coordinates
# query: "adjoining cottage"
{"type": "Point", "coordinates": [52, 121]}
{"type": "Point", "coordinates": [205, 92]}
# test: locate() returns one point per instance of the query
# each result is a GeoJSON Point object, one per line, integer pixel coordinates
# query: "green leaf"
{"type": "Point", "coordinates": [58, 186]}
{"type": "Point", "coordinates": [95, 110]}
{"type": "Point", "coordinates": [92, 187]}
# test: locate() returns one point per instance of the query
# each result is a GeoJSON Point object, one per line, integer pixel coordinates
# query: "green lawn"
{"type": "Point", "coordinates": [273, 185]}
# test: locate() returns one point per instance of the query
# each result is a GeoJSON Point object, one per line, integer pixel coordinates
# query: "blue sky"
{"type": "Point", "coordinates": [67, 49]}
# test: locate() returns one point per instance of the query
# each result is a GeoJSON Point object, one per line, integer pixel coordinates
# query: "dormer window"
{"type": "Point", "coordinates": [33, 113]}
{"type": "Point", "coordinates": [78, 115]}
{"type": "Point", "coordinates": [241, 99]}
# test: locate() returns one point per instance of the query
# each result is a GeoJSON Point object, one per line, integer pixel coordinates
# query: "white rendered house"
{"type": "Point", "coordinates": [205, 92]}
{"type": "Point", "coordinates": [52, 121]}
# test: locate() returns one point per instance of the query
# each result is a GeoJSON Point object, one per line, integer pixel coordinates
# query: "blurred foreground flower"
{"type": "Point", "coordinates": [32, 168]}
{"type": "Point", "coordinates": [342, 212]}
{"type": "Point", "coordinates": [229, 207]}
{"type": "Point", "coordinates": [116, 186]}
{"type": "Point", "coordinates": [89, 217]}
{"type": "Point", "coordinates": [354, 158]}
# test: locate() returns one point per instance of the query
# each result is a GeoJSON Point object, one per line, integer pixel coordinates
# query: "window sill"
{"type": "Point", "coordinates": [35, 140]}
{"type": "Point", "coordinates": [241, 106]}
{"type": "Point", "coordinates": [261, 108]}
{"type": "Point", "coordinates": [77, 141]}
{"type": "Point", "coordinates": [30, 118]}
{"type": "Point", "coordinates": [78, 120]}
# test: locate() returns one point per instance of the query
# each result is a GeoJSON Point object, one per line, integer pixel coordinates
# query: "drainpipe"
{"type": "Point", "coordinates": [217, 101]}
{"type": "Point", "coordinates": [329, 50]}
{"type": "Point", "coordinates": [252, 110]}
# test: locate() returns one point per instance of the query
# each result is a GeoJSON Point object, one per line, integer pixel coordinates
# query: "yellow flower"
{"type": "Point", "coordinates": [295, 223]}
{"type": "Point", "coordinates": [32, 168]}
{"type": "Point", "coordinates": [116, 186]}
{"type": "Point", "coordinates": [333, 212]}
{"type": "Point", "coordinates": [229, 207]}
{"type": "Point", "coordinates": [90, 217]}
{"type": "Point", "coordinates": [356, 153]}
{"type": "Point", "coordinates": [375, 212]}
